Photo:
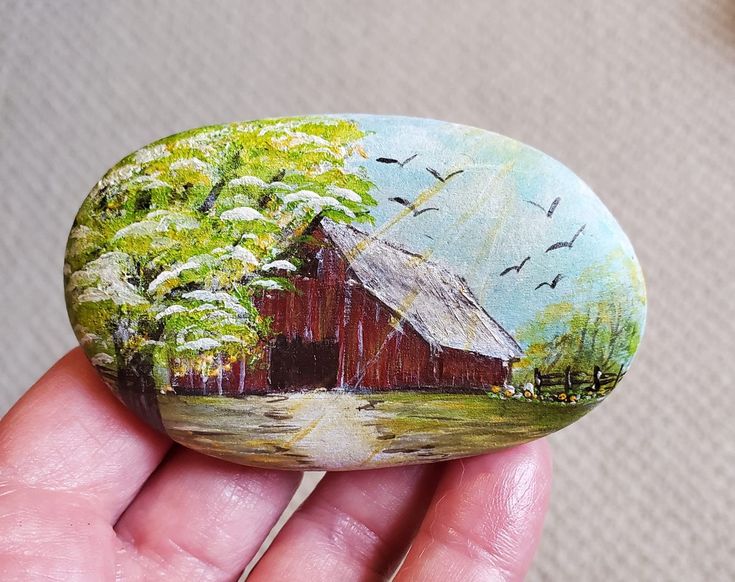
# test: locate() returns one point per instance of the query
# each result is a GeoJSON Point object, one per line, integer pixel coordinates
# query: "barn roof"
{"type": "Point", "coordinates": [436, 302]}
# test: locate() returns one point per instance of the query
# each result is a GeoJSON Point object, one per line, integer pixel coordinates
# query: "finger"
{"type": "Point", "coordinates": [485, 520]}
{"type": "Point", "coordinates": [70, 433]}
{"type": "Point", "coordinates": [354, 526]}
{"type": "Point", "coordinates": [199, 518]}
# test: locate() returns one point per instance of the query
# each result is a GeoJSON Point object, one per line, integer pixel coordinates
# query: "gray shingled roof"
{"type": "Point", "coordinates": [436, 302]}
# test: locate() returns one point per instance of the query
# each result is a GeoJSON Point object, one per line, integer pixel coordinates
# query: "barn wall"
{"type": "Point", "coordinates": [458, 368]}
{"type": "Point", "coordinates": [375, 353]}
{"type": "Point", "coordinates": [310, 314]}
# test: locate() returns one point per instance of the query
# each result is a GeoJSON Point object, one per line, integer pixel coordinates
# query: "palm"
{"type": "Point", "coordinates": [89, 493]}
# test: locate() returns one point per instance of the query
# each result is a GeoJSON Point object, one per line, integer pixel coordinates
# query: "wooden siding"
{"type": "Point", "coordinates": [459, 369]}
{"type": "Point", "coordinates": [376, 353]}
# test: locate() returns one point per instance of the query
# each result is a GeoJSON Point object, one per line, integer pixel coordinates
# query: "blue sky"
{"type": "Point", "coordinates": [484, 222]}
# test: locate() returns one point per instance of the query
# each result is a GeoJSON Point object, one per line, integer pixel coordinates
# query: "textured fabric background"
{"type": "Point", "coordinates": [636, 97]}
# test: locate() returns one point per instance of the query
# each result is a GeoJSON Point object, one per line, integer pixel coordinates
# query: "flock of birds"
{"type": "Point", "coordinates": [565, 244]}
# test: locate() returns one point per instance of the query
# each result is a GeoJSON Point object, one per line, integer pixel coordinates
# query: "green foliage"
{"type": "Point", "coordinates": [172, 244]}
{"type": "Point", "coordinates": [604, 331]}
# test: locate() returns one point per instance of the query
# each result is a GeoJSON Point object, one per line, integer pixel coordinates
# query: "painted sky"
{"type": "Point", "coordinates": [485, 222]}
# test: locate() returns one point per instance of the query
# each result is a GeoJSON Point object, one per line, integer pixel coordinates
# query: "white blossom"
{"type": "Point", "coordinates": [156, 222]}
{"type": "Point", "coordinates": [317, 203]}
{"type": "Point", "coordinates": [150, 182]}
{"type": "Point", "coordinates": [281, 265]}
{"type": "Point", "coordinates": [170, 310]}
{"type": "Point", "coordinates": [115, 177]}
{"type": "Point", "coordinates": [248, 181]}
{"type": "Point", "coordinates": [191, 164]}
{"type": "Point", "coordinates": [345, 193]}
{"type": "Point", "coordinates": [243, 213]}
{"type": "Point", "coordinates": [105, 279]}
{"type": "Point", "coordinates": [297, 138]}
{"type": "Point", "coordinates": [267, 284]}
{"type": "Point", "coordinates": [282, 185]}
{"type": "Point", "coordinates": [178, 220]}
{"type": "Point", "coordinates": [199, 345]}
{"type": "Point", "coordinates": [222, 297]}
{"type": "Point", "coordinates": [194, 262]}
{"type": "Point", "coordinates": [244, 255]}
{"type": "Point", "coordinates": [149, 154]}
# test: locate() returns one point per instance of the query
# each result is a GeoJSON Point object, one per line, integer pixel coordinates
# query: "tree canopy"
{"type": "Point", "coordinates": [171, 245]}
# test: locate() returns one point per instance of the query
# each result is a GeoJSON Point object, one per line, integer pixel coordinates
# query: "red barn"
{"type": "Point", "coordinates": [369, 314]}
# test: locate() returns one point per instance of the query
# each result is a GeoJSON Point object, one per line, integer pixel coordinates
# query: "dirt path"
{"type": "Point", "coordinates": [336, 437]}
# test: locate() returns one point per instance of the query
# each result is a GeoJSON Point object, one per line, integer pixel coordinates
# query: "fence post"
{"type": "Point", "coordinates": [568, 379]}
{"type": "Point", "coordinates": [537, 378]}
{"type": "Point", "coordinates": [596, 376]}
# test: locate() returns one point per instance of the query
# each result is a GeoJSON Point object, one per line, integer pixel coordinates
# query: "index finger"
{"type": "Point", "coordinates": [69, 432]}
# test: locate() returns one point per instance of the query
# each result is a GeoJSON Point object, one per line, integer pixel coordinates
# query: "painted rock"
{"type": "Point", "coordinates": [343, 292]}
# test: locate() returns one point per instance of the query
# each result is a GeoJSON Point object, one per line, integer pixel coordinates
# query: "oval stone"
{"type": "Point", "coordinates": [351, 291]}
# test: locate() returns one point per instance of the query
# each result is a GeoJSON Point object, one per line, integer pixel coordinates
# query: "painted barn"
{"type": "Point", "coordinates": [369, 314]}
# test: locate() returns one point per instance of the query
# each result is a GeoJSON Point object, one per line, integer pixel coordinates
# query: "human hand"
{"type": "Point", "coordinates": [87, 492]}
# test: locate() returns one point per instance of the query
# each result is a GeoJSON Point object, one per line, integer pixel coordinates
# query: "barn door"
{"type": "Point", "coordinates": [296, 364]}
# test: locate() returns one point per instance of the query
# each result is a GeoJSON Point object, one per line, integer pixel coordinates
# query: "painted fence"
{"type": "Point", "coordinates": [576, 381]}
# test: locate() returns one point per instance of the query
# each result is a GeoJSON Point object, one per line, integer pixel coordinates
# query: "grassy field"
{"type": "Point", "coordinates": [344, 430]}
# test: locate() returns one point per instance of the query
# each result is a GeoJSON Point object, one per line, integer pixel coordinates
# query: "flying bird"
{"type": "Point", "coordinates": [418, 212]}
{"type": "Point", "coordinates": [395, 161]}
{"type": "Point", "coordinates": [566, 244]}
{"type": "Point", "coordinates": [550, 211]}
{"type": "Point", "coordinates": [441, 178]}
{"type": "Point", "coordinates": [410, 205]}
{"type": "Point", "coordinates": [516, 268]}
{"type": "Point", "coordinates": [553, 283]}
{"type": "Point", "coordinates": [400, 200]}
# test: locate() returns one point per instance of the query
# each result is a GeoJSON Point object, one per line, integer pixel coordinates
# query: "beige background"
{"type": "Point", "coordinates": [637, 97]}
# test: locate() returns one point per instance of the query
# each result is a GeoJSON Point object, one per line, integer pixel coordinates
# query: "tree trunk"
{"type": "Point", "coordinates": [211, 198]}
{"type": "Point", "coordinates": [135, 381]}
{"type": "Point", "coordinates": [138, 388]}
{"type": "Point", "coordinates": [227, 170]}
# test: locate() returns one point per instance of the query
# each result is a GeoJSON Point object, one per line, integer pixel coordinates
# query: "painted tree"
{"type": "Point", "coordinates": [581, 330]}
{"type": "Point", "coordinates": [172, 244]}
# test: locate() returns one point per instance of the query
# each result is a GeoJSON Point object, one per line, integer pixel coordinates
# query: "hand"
{"type": "Point", "coordinates": [87, 492]}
